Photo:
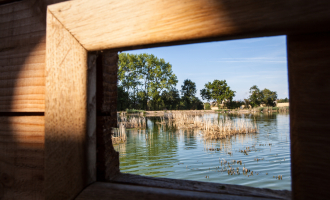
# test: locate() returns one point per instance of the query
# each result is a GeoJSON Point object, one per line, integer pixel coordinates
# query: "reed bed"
{"type": "Point", "coordinates": [131, 121]}
{"type": "Point", "coordinates": [119, 134]}
{"type": "Point", "coordinates": [212, 128]}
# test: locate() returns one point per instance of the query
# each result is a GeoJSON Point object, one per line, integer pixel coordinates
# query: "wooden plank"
{"type": "Point", "coordinates": [309, 84]}
{"type": "Point", "coordinates": [106, 105]}
{"type": "Point", "coordinates": [20, 30]}
{"type": "Point", "coordinates": [22, 83]}
{"type": "Point", "coordinates": [19, 23]}
{"type": "Point", "coordinates": [65, 113]}
{"type": "Point", "coordinates": [21, 157]}
{"type": "Point", "coordinates": [200, 186]}
{"type": "Point", "coordinates": [12, 42]}
{"type": "Point", "coordinates": [102, 191]}
{"type": "Point", "coordinates": [13, 16]}
{"type": "Point", "coordinates": [22, 58]}
{"type": "Point", "coordinates": [5, 8]}
{"type": "Point", "coordinates": [38, 48]}
{"type": "Point", "coordinates": [110, 24]}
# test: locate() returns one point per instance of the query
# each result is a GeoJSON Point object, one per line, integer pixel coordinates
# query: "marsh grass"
{"type": "Point", "coordinates": [124, 122]}
{"type": "Point", "coordinates": [119, 134]}
{"type": "Point", "coordinates": [130, 121]}
{"type": "Point", "coordinates": [212, 128]}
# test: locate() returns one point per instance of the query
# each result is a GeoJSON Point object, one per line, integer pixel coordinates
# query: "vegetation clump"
{"type": "Point", "coordinates": [212, 128]}
{"type": "Point", "coordinates": [118, 135]}
{"type": "Point", "coordinates": [131, 121]}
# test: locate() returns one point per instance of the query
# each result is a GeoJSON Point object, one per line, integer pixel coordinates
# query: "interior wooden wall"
{"type": "Point", "coordinates": [309, 82]}
{"type": "Point", "coordinates": [22, 98]}
{"type": "Point", "coordinates": [23, 85]}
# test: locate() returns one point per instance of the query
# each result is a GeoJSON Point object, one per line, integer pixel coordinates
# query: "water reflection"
{"type": "Point", "coordinates": [163, 150]}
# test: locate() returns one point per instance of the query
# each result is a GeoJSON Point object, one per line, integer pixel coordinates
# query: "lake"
{"type": "Point", "coordinates": [164, 151]}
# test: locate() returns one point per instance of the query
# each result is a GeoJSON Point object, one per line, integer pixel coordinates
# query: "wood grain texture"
{"type": "Point", "coordinates": [22, 58]}
{"type": "Point", "coordinates": [200, 186]}
{"type": "Point", "coordinates": [309, 82]}
{"type": "Point", "coordinates": [21, 157]}
{"type": "Point", "coordinates": [107, 157]}
{"type": "Point", "coordinates": [102, 191]}
{"type": "Point", "coordinates": [110, 24]}
{"type": "Point", "coordinates": [66, 171]}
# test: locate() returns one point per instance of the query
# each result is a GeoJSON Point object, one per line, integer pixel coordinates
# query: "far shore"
{"type": "Point", "coordinates": [233, 111]}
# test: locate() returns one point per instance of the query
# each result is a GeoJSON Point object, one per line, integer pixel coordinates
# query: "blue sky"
{"type": "Point", "coordinates": [242, 63]}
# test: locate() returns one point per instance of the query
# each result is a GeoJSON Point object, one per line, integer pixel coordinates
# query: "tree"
{"type": "Point", "coordinates": [128, 75]}
{"type": "Point", "coordinates": [163, 79]}
{"type": "Point", "coordinates": [188, 91]}
{"type": "Point", "coordinates": [122, 99]}
{"type": "Point", "coordinates": [207, 106]}
{"type": "Point", "coordinates": [234, 104]}
{"type": "Point", "coordinates": [145, 73]}
{"type": "Point", "coordinates": [265, 96]}
{"type": "Point", "coordinates": [196, 104]}
{"type": "Point", "coordinates": [218, 91]}
{"type": "Point", "coordinates": [256, 96]}
{"type": "Point", "coordinates": [269, 97]}
{"type": "Point", "coordinates": [171, 99]}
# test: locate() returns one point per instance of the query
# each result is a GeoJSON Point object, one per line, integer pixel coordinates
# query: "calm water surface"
{"type": "Point", "coordinates": [162, 151]}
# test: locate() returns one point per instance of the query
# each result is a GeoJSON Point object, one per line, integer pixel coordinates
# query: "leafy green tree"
{"type": "Point", "coordinates": [207, 106]}
{"type": "Point", "coordinates": [128, 75]}
{"type": "Point", "coordinates": [171, 99]}
{"type": "Point", "coordinates": [269, 97]}
{"type": "Point", "coordinates": [234, 104]}
{"type": "Point", "coordinates": [265, 96]}
{"type": "Point", "coordinates": [145, 73]}
{"type": "Point", "coordinates": [188, 91]}
{"type": "Point", "coordinates": [256, 96]}
{"type": "Point", "coordinates": [196, 104]}
{"type": "Point", "coordinates": [163, 79]}
{"type": "Point", "coordinates": [218, 91]}
{"type": "Point", "coordinates": [122, 99]}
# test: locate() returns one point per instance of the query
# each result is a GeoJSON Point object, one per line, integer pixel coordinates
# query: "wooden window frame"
{"type": "Point", "coordinates": [81, 35]}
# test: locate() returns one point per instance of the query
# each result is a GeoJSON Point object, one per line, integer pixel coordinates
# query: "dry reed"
{"type": "Point", "coordinates": [119, 134]}
{"type": "Point", "coordinates": [212, 128]}
{"type": "Point", "coordinates": [131, 121]}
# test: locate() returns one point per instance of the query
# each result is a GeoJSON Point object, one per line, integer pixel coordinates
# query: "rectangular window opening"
{"type": "Point", "coordinates": [214, 112]}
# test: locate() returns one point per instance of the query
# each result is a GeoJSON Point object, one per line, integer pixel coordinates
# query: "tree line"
{"type": "Point", "coordinates": [256, 98]}
{"type": "Point", "coordinates": [146, 82]}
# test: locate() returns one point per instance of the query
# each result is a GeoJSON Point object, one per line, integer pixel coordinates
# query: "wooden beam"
{"type": "Point", "coordinates": [200, 186]}
{"type": "Point", "coordinates": [309, 82]}
{"type": "Point", "coordinates": [103, 191]}
{"type": "Point", "coordinates": [110, 24]}
{"type": "Point", "coordinates": [107, 157]}
{"type": "Point", "coordinates": [66, 168]}
{"type": "Point", "coordinates": [91, 118]}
